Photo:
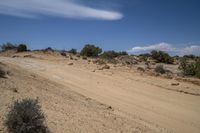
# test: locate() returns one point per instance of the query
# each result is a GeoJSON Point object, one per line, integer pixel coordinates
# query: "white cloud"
{"type": "Point", "coordinates": [161, 46]}
{"type": "Point", "coordinates": [194, 49]}
{"type": "Point", "coordinates": [61, 8]}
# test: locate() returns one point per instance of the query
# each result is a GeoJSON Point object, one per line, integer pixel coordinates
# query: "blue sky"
{"type": "Point", "coordinates": [135, 26]}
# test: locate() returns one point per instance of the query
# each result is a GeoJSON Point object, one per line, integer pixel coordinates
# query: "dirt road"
{"type": "Point", "coordinates": [149, 100]}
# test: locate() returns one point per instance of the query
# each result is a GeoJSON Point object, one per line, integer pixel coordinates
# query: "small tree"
{"type": "Point", "coordinates": [21, 48]}
{"type": "Point", "coordinates": [26, 117]}
{"type": "Point", "coordinates": [90, 51]}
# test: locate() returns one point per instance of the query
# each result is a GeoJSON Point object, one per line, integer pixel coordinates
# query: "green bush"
{"type": "Point", "coordinates": [161, 57]}
{"type": "Point", "coordinates": [90, 51]}
{"type": "Point", "coordinates": [26, 117]}
{"type": "Point", "coordinates": [21, 48]}
{"type": "Point", "coordinates": [160, 69]}
{"type": "Point", "coordinates": [190, 68]}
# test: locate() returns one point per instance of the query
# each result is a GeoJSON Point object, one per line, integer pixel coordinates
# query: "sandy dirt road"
{"type": "Point", "coordinates": [149, 100]}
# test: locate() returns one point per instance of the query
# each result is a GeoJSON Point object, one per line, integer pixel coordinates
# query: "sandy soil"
{"type": "Point", "coordinates": [139, 102]}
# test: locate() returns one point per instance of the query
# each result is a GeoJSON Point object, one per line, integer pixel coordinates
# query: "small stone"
{"type": "Point", "coordinates": [15, 90]}
{"type": "Point", "coordinates": [70, 63]}
{"type": "Point", "coordinates": [175, 84]}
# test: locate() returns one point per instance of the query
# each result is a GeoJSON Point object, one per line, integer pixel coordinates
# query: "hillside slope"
{"type": "Point", "coordinates": [143, 103]}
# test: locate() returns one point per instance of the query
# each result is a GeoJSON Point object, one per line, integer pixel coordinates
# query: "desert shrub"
{"type": "Point", "coordinates": [63, 54]}
{"type": "Point", "coordinates": [161, 57]}
{"type": "Point", "coordinates": [145, 56]}
{"type": "Point", "coordinates": [26, 117]}
{"type": "Point", "coordinates": [190, 68]}
{"type": "Point", "coordinates": [191, 56]}
{"type": "Point", "coordinates": [109, 54]}
{"type": "Point", "coordinates": [123, 53]}
{"type": "Point", "coordinates": [2, 73]}
{"type": "Point", "coordinates": [112, 54]}
{"type": "Point", "coordinates": [90, 51]}
{"type": "Point", "coordinates": [160, 69]}
{"type": "Point", "coordinates": [22, 48]}
{"type": "Point", "coordinates": [8, 46]}
{"type": "Point", "coordinates": [72, 51]}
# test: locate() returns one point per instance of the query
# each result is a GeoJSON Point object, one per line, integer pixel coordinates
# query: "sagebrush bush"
{"type": "Point", "coordinates": [26, 117]}
{"type": "Point", "coordinates": [22, 48]}
{"type": "Point", "coordinates": [190, 68]}
{"type": "Point", "coordinates": [90, 51]}
{"type": "Point", "coordinates": [160, 69]}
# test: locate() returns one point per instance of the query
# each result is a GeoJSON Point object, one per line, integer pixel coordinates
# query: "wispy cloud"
{"type": "Point", "coordinates": [61, 8]}
{"type": "Point", "coordinates": [193, 49]}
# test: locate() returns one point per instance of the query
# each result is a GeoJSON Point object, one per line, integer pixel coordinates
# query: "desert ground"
{"type": "Point", "coordinates": [77, 96]}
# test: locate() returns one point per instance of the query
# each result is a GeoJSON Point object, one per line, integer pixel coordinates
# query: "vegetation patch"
{"type": "Point", "coordinates": [26, 117]}
{"type": "Point", "coordinates": [90, 50]}
{"type": "Point", "coordinates": [161, 57]}
{"type": "Point", "coordinates": [190, 68]}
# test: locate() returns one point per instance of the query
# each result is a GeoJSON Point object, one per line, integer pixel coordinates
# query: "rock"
{"type": "Point", "coordinates": [14, 90]}
{"type": "Point", "coordinates": [84, 58]}
{"type": "Point", "coordinates": [70, 63]}
{"type": "Point", "coordinates": [27, 56]}
{"type": "Point", "coordinates": [109, 107]}
{"type": "Point", "coordinates": [104, 67]}
{"type": "Point", "coordinates": [15, 56]}
{"type": "Point", "coordinates": [63, 53]}
{"type": "Point", "coordinates": [175, 84]}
